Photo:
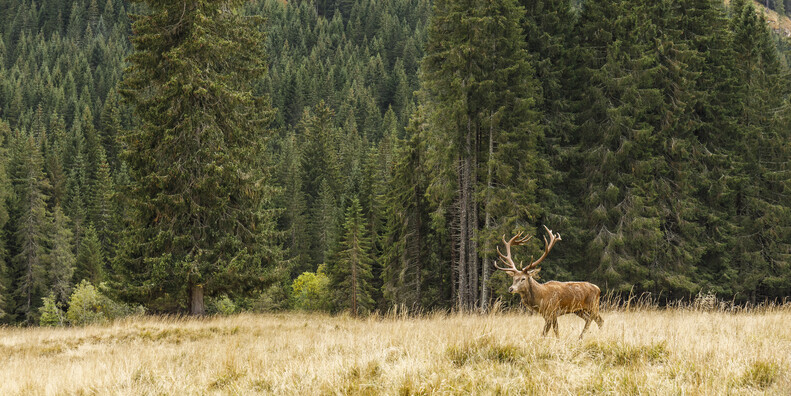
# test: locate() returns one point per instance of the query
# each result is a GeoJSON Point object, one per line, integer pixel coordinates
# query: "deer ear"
{"type": "Point", "coordinates": [534, 273]}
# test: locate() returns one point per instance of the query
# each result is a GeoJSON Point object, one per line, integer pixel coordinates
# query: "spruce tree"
{"type": "Point", "coordinates": [324, 223]}
{"type": "Point", "coordinates": [60, 259]}
{"type": "Point", "coordinates": [480, 96]}
{"type": "Point", "coordinates": [90, 263]}
{"type": "Point", "coordinates": [351, 266]}
{"type": "Point", "coordinates": [405, 253]}
{"type": "Point", "coordinates": [201, 190]}
{"type": "Point", "coordinates": [5, 192]}
{"type": "Point", "coordinates": [32, 224]}
{"type": "Point", "coordinates": [54, 157]}
{"type": "Point", "coordinates": [100, 210]}
{"type": "Point", "coordinates": [761, 206]}
{"type": "Point", "coordinates": [294, 218]}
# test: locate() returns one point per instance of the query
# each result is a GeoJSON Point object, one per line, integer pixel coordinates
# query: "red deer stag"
{"type": "Point", "coordinates": [553, 298]}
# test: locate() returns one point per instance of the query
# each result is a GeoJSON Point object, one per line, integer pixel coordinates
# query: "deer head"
{"type": "Point", "coordinates": [521, 277]}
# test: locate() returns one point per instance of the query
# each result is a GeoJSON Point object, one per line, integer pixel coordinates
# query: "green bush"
{"type": "Point", "coordinates": [87, 305]}
{"type": "Point", "coordinates": [51, 314]}
{"type": "Point", "coordinates": [222, 305]}
{"type": "Point", "coordinates": [312, 291]}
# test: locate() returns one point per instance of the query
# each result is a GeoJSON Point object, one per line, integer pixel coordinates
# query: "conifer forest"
{"type": "Point", "coordinates": [215, 156]}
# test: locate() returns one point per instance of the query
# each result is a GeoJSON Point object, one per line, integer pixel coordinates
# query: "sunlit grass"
{"type": "Point", "coordinates": [647, 351]}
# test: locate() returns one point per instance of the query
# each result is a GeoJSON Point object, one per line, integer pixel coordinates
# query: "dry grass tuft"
{"type": "Point", "coordinates": [697, 351]}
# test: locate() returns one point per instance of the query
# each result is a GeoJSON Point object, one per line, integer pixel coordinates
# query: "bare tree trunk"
{"type": "Point", "coordinates": [353, 263]}
{"type": "Point", "coordinates": [462, 264]}
{"type": "Point", "coordinates": [196, 300]}
{"type": "Point", "coordinates": [472, 224]}
{"type": "Point", "coordinates": [488, 220]}
{"type": "Point", "coordinates": [454, 253]}
{"type": "Point", "coordinates": [418, 246]}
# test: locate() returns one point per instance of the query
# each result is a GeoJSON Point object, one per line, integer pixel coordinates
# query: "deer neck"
{"type": "Point", "coordinates": [531, 295]}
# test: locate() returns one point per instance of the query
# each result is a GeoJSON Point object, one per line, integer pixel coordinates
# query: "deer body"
{"type": "Point", "coordinates": [551, 299]}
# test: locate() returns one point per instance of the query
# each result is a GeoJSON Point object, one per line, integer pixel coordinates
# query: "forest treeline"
{"type": "Point", "coordinates": [360, 155]}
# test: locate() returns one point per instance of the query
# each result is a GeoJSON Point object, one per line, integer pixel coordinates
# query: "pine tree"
{"type": "Point", "coordinates": [30, 235]}
{"type": "Point", "coordinates": [294, 216]}
{"type": "Point", "coordinates": [90, 263]}
{"type": "Point", "coordinates": [60, 259]}
{"type": "Point", "coordinates": [110, 121]}
{"type": "Point", "coordinates": [405, 240]}
{"type": "Point", "coordinates": [351, 267]}
{"type": "Point", "coordinates": [760, 198]}
{"type": "Point", "coordinates": [201, 190]}
{"type": "Point", "coordinates": [324, 222]}
{"type": "Point", "coordinates": [5, 192]}
{"type": "Point", "coordinates": [100, 211]}
{"type": "Point", "coordinates": [321, 174]}
{"type": "Point", "coordinates": [75, 197]}
{"type": "Point", "coordinates": [480, 96]}
{"type": "Point", "coordinates": [54, 157]}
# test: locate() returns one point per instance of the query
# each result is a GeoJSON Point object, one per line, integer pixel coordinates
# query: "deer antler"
{"type": "Point", "coordinates": [547, 247]}
{"type": "Point", "coordinates": [516, 240]}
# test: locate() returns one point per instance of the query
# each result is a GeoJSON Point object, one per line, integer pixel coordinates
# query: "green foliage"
{"type": "Point", "coordinates": [311, 291]}
{"type": "Point", "coordinates": [60, 259]}
{"type": "Point", "coordinates": [221, 305]}
{"type": "Point", "coordinates": [350, 269]}
{"type": "Point", "coordinates": [480, 102]}
{"type": "Point", "coordinates": [201, 187]}
{"type": "Point", "coordinates": [30, 232]}
{"type": "Point", "coordinates": [90, 259]}
{"type": "Point", "coordinates": [88, 305]}
{"type": "Point", "coordinates": [652, 134]}
{"type": "Point", "coordinates": [50, 313]}
{"type": "Point", "coordinates": [273, 298]}
{"type": "Point", "coordinates": [5, 133]}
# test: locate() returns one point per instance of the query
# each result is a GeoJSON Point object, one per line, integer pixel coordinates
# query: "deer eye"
{"type": "Point", "coordinates": [523, 279]}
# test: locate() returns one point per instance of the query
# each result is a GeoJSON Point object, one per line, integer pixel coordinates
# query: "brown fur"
{"type": "Point", "coordinates": [553, 299]}
{"type": "Point", "coordinates": [550, 299]}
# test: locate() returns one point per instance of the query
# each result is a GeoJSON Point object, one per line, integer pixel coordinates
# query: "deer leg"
{"type": "Point", "coordinates": [599, 320]}
{"type": "Point", "coordinates": [547, 326]}
{"type": "Point", "coordinates": [587, 323]}
{"type": "Point", "coordinates": [555, 325]}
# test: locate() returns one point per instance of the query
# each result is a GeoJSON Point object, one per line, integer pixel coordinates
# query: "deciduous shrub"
{"type": "Point", "coordinates": [88, 305]}
{"type": "Point", "coordinates": [311, 290]}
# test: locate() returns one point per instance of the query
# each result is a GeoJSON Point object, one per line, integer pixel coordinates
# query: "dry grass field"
{"type": "Point", "coordinates": [652, 352]}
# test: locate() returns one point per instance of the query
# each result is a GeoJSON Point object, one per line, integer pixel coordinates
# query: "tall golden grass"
{"type": "Point", "coordinates": [644, 351]}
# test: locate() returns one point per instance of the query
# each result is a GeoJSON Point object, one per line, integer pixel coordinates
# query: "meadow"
{"type": "Point", "coordinates": [644, 351]}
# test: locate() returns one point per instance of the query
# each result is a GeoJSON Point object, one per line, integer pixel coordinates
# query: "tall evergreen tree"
{"type": "Point", "coordinates": [100, 210]}
{"type": "Point", "coordinates": [90, 262]}
{"type": "Point", "coordinates": [480, 95]}
{"type": "Point", "coordinates": [60, 259]}
{"type": "Point", "coordinates": [5, 192]}
{"type": "Point", "coordinates": [201, 189]}
{"type": "Point", "coordinates": [760, 243]}
{"type": "Point", "coordinates": [405, 241]}
{"type": "Point", "coordinates": [351, 267]}
{"type": "Point", "coordinates": [30, 234]}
